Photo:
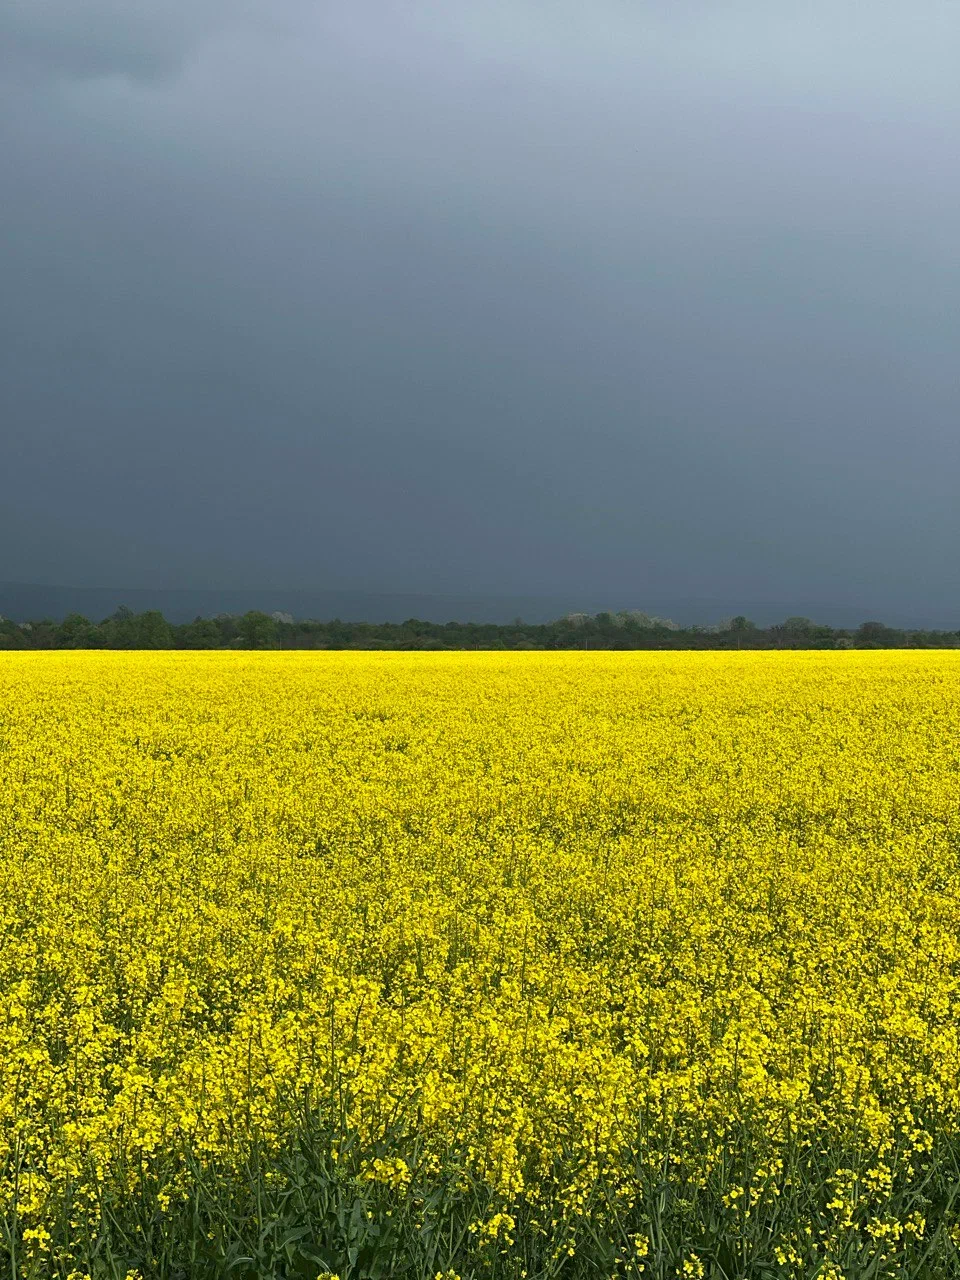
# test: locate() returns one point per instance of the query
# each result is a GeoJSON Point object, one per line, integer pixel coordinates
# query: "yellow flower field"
{"type": "Point", "coordinates": [649, 962]}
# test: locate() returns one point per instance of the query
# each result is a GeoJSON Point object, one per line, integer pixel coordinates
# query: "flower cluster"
{"type": "Point", "coordinates": [685, 927]}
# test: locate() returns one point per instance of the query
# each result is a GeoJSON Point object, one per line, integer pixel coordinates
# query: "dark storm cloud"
{"type": "Point", "coordinates": [627, 301]}
{"type": "Point", "coordinates": [88, 41]}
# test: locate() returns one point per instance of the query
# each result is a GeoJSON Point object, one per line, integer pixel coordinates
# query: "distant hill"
{"type": "Point", "coordinates": [25, 601]}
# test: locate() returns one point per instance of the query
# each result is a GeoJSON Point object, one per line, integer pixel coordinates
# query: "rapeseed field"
{"type": "Point", "coordinates": [479, 965]}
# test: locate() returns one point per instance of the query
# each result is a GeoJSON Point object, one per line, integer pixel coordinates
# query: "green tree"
{"type": "Point", "coordinates": [152, 631]}
{"type": "Point", "coordinates": [257, 630]}
{"type": "Point", "coordinates": [78, 632]}
{"type": "Point", "coordinates": [201, 633]}
{"type": "Point", "coordinates": [877, 635]}
{"type": "Point", "coordinates": [798, 626]}
{"type": "Point", "coordinates": [127, 630]}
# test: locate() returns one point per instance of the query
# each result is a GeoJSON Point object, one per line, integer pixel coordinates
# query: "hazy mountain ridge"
{"type": "Point", "coordinates": [31, 601]}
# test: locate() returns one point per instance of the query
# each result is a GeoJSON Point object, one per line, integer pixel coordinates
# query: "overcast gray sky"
{"type": "Point", "coordinates": [635, 298]}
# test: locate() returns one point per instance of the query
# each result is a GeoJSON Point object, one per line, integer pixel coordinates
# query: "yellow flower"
{"type": "Point", "coordinates": [578, 918]}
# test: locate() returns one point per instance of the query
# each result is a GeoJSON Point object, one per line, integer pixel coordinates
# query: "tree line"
{"type": "Point", "coordinates": [125, 629]}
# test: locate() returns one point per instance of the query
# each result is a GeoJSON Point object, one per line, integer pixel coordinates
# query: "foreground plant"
{"type": "Point", "coordinates": [479, 965]}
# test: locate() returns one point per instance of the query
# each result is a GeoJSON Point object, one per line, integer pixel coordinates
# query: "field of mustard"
{"type": "Point", "coordinates": [479, 965]}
